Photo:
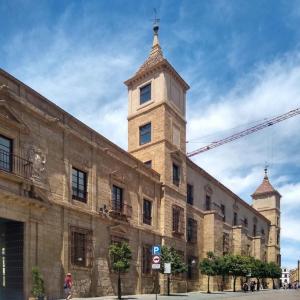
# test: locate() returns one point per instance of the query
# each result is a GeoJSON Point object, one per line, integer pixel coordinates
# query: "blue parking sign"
{"type": "Point", "coordinates": [156, 250]}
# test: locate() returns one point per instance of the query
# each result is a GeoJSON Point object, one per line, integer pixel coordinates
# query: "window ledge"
{"type": "Point", "coordinates": [149, 102]}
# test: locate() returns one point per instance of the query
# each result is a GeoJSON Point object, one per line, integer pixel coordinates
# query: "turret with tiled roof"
{"type": "Point", "coordinates": [265, 187]}
{"type": "Point", "coordinates": [266, 200]}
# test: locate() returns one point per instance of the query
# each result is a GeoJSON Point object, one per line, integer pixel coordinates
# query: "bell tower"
{"type": "Point", "coordinates": [156, 115]}
{"type": "Point", "coordinates": [157, 135]}
{"type": "Point", "coordinates": [266, 200]}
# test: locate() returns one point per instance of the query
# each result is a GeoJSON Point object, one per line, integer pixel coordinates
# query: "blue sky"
{"type": "Point", "coordinates": [241, 59]}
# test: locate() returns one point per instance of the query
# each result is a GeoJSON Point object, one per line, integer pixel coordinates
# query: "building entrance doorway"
{"type": "Point", "coordinates": [11, 259]}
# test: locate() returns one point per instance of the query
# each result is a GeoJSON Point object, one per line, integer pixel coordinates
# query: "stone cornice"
{"type": "Point", "coordinates": [163, 65]}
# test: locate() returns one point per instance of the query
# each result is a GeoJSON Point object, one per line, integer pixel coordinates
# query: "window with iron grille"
{"type": "Point", "coordinates": [177, 219]}
{"type": "Point", "coordinates": [176, 174]}
{"type": "Point", "coordinates": [147, 212]}
{"type": "Point", "coordinates": [145, 93]}
{"type": "Point", "coordinates": [79, 185]}
{"type": "Point", "coordinates": [148, 163]}
{"type": "Point", "coordinates": [192, 268]}
{"type": "Point", "coordinates": [117, 199]}
{"type": "Point", "coordinates": [207, 202]}
{"type": "Point", "coordinates": [190, 194]}
{"type": "Point", "coordinates": [254, 229]}
{"type": "Point", "coordinates": [145, 134]}
{"type": "Point", "coordinates": [225, 243]}
{"type": "Point", "coordinates": [223, 210]}
{"type": "Point", "coordinates": [191, 230]}
{"type": "Point", "coordinates": [81, 247]}
{"type": "Point", "coordinates": [147, 259]}
{"type": "Point", "coordinates": [235, 219]}
{"type": "Point", "coordinates": [5, 154]}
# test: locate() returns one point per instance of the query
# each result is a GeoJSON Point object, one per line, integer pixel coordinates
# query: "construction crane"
{"type": "Point", "coordinates": [247, 131]}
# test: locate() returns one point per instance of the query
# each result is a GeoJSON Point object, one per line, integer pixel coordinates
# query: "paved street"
{"type": "Point", "coordinates": [263, 295]}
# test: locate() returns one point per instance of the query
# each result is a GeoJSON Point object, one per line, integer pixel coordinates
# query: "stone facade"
{"type": "Point", "coordinates": [190, 209]}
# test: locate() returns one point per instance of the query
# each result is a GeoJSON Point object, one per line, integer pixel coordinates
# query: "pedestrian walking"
{"type": "Point", "coordinates": [68, 286]}
{"type": "Point", "coordinates": [245, 287]}
{"type": "Point", "coordinates": [252, 286]}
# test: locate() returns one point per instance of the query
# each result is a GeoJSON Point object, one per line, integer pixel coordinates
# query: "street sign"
{"type": "Point", "coordinates": [167, 268]}
{"type": "Point", "coordinates": [156, 250]}
{"type": "Point", "coordinates": [155, 266]}
{"type": "Point", "coordinates": [156, 259]}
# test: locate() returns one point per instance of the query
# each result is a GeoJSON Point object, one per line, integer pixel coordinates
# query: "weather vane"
{"type": "Point", "coordinates": [155, 21]}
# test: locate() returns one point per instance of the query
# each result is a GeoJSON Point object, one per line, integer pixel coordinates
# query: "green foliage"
{"type": "Point", "coordinates": [237, 265]}
{"type": "Point", "coordinates": [120, 255]}
{"type": "Point", "coordinates": [170, 255]}
{"type": "Point", "coordinates": [273, 270]}
{"type": "Point", "coordinates": [209, 266]}
{"type": "Point", "coordinates": [37, 283]}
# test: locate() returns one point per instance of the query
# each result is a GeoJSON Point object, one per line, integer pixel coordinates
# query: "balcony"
{"type": "Point", "coordinates": [119, 210]}
{"type": "Point", "coordinates": [14, 164]}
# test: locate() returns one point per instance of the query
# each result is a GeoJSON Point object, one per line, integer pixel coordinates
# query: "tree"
{"type": "Point", "coordinates": [221, 268]}
{"type": "Point", "coordinates": [120, 255]}
{"type": "Point", "coordinates": [38, 289]}
{"type": "Point", "coordinates": [208, 266]}
{"type": "Point", "coordinates": [171, 255]}
{"type": "Point", "coordinates": [258, 270]}
{"type": "Point", "coordinates": [237, 265]}
{"type": "Point", "coordinates": [273, 272]}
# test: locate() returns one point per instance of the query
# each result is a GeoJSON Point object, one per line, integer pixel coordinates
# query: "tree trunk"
{"type": "Point", "coordinates": [258, 285]}
{"type": "Point", "coordinates": [208, 291]}
{"type": "Point", "coordinates": [223, 283]}
{"type": "Point", "coordinates": [234, 281]}
{"type": "Point", "coordinates": [119, 286]}
{"type": "Point", "coordinates": [273, 284]}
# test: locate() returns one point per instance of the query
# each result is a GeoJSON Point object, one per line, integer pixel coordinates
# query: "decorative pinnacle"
{"type": "Point", "coordinates": [266, 171]}
{"type": "Point", "coordinates": [155, 22]}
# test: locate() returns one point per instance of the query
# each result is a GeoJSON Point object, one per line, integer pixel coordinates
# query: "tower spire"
{"type": "Point", "coordinates": [156, 49]}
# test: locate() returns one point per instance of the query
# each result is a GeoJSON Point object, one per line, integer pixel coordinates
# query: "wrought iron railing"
{"type": "Point", "coordinates": [120, 209]}
{"type": "Point", "coordinates": [15, 164]}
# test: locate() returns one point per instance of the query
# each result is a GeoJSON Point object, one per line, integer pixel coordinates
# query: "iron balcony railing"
{"type": "Point", "coordinates": [15, 164]}
{"type": "Point", "coordinates": [119, 209]}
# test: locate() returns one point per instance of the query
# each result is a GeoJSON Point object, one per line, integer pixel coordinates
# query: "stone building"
{"type": "Point", "coordinates": [285, 276]}
{"type": "Point", "coordinates": [67, 193]}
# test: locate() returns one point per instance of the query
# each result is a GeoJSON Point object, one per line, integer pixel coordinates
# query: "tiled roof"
{"type": "Point", "coordinates": [265, 187]}
{"type": "Point", "coordinates": [154, 58]}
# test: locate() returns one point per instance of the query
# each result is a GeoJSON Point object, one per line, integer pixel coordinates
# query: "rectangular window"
{"type": "Point", "coordinates": [278, 237]}
{"type": "Point", "coordinates": [223, 210]}
{"type": "Point", "coordinates": [147, 213]}
{"type": "Point", "coordinates": [81, 247]}
{"type": "Point", "coordinates": [117, 199]}
{"type": "Point", "coordinates": [176, 174]}
{"type": "Point", "coordinates": [145, 134]}
{"type": "Point", "coordinates": [254, 229]}
{"type": "Point", "coordinates": [190, 194]}
{"type": "Point", "coordinates": [147, 259]}
{"type": "Point", "coordinates": [79, 185]}
{"type": "Point", "coordinates": [246, 222]}
{"type": "Point", "coordinates": [207, 202]}
{"type": "Point", "coordinates": [225, 243]}
{"type": "Point", "coordinates": [177, 219]}
{"type": "Point", "coordinates": [148, 163]}
{"type": "Point", "coordinates": [5, 154]}
{"type": "Point", "coordinates": [191, 230]}
{"type": "Point", "coordinates": [145, 93]}
{"type": "Point", "coordinates": [235, 219]}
